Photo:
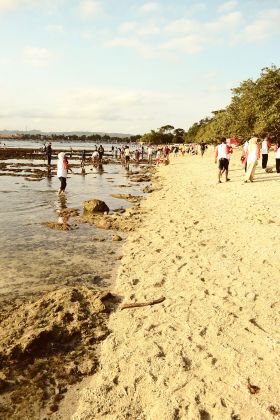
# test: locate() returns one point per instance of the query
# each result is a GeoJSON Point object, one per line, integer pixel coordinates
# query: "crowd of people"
{"type": "Point", "coordinates": [252, 151]}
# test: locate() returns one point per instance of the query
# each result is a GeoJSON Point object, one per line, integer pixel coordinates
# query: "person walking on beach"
{"type": "Point", "coordinates": [62, 170]}
{"type": "Point", "coordinates": [277, 156]}
{"type": "Point", "coordinates": [221, 155]}
{"type": "Point", "coordinates": [253, 154]}
{"type": "Point", "coordinates": [49, 153]}
{"type": "Point", "coordinates": [244, 154]}
{"type": "Point", "coordinates": [202, 149]}
{"type": "Point", "coordinates": [265, 150]}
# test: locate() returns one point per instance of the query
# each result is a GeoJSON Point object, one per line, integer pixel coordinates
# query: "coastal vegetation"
{"type": "Point", "coordinates": [164, 135]}
{"type": "Point", "coordinates": [254, 108]}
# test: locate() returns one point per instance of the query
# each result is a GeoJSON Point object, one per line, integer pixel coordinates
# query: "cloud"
{"type": "Point", "coordinates": [264, 26]}
{"type": "Point", "coordinates": [90, 8]}
{"type": "Point", "coordinates": [189, 44]}
{"type": "Point", "coordinates": [127, 27]}
{"type": "Point", "coordinates": [145, 49]}
{"type": "Point", "coordinates": [227, 6]}
{"type": "Point", "coordinates": [149, 7]}
{"type": "Point", "coordinates": [13, 5]}
{"type": "Point", "coordinates": [7, 5]}
{"type": "Point", "coordinates": [92, 104]}
{"type": "Point", "coordinates": [183, 26]}
{"type": "Point", "coordinates": [225, 22]}
{"type": "Point", "coordinates": [148, 28]}
{"type": "Point", "coordinates": [38, 57]}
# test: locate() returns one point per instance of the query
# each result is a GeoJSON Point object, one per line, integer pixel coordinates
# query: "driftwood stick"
{"type": "Point", "coordinates": [139, 305]}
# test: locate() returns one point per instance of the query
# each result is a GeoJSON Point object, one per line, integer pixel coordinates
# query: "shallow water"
{"type": "Point", "coordinates": [33, 257]}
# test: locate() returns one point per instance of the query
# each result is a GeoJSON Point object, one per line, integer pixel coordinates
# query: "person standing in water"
{"type": "Point", "coordinates": [49, 153]}
{"type": "Point", "coordinates": [62, 170]}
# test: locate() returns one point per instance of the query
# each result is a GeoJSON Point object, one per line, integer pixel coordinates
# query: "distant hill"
{"type": "Point", "coordinates": [65, 133]}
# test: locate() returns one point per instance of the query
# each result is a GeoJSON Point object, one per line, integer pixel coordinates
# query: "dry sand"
{"type": "Point", "coordinates": [211, 349]}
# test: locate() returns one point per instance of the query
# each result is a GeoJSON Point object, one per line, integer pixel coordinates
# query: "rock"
{"type": "Point", "coordinates": [148, 189]}
{"type": "Point", "coordinates": [68, 212]}
{"type": "Point", "coordinates": [116, 238]}
{"type": "Point", "coordinates": [95, 206]}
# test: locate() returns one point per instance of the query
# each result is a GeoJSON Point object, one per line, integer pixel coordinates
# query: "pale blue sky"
{"type": "Point", "coordinates": [128, 65]}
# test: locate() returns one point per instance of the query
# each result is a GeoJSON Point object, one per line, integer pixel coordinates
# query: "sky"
{"type": "Point", "coordinates": [128, 66]}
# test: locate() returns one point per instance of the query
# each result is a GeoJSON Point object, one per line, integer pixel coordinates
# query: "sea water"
{"type": "Point", "coordinates": [34, 257]}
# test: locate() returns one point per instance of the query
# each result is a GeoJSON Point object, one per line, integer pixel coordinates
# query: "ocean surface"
{"type": "Point", "coordinates": [34, 257]}
{"type": "Point", "coordinates": [67, 145]}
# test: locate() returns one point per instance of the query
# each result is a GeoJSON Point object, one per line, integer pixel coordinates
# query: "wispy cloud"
{"type": "Point", "coordinates": [227, 6]}
{"type": "Point", "coordinates": [90, 8]}
{"type": "Point", "coordinates": [188, 36]}
{"type": "Point", "coordinates": [38, 57]}
{"type": "Point", "coordinates": [13, 5]}
{"type": "Point", "coordinates": [264, 26]}
{"type": "Point", "coordinates": [149, 7]}
{"type": "Point", "coordinates": [148, 28]}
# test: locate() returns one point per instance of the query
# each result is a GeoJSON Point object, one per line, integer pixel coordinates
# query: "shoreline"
{"type": "Point", "coordinates": [210, 349]}
{"type": "Point", "coordinates": [55, 288]}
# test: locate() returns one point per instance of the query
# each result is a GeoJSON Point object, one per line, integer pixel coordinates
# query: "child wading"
{"type": "Point", "coordinates": [62, 169]}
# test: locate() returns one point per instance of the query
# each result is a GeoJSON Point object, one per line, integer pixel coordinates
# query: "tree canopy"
{"type": "Point", "coordinates": [164, 135]}
{"type": "Point", "coordinates": [254, 108]}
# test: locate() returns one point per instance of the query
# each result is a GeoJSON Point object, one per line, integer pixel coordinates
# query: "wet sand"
{"type": "Point", "coordinates": [211, 349]}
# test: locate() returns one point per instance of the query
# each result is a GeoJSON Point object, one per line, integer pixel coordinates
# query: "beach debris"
{"type": "Point", "coordinates": [95, 206]}
{"type": "Point", "coordinates": [254, 322]}
{"type": "Point", "coordinates": [116, 238]}
{"type": "Point", "coordinates": [253, 389]}
{"type": "Point", "coordinates": [122, 196]}
{"type": "Point", "coordinates": [274, 411]}
{"type": "Point", "coordinates": [139, 305]}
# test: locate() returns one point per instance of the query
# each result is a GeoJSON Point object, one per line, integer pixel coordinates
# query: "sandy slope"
{"type": "Point", "coordinates": [213, 252]}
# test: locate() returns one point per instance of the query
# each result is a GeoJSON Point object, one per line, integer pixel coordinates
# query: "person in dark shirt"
{"type": "Point", "coordinates": [49, 153]}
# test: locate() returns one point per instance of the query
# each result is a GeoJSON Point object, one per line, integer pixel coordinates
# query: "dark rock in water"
{"type": "Point", "coordinates": [141, 178]}
{"type": "Point", "coordinates": [95, 206]}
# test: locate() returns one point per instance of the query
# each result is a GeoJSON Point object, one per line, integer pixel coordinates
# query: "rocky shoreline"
{"type": "Point", "coordinates": [54, 333]}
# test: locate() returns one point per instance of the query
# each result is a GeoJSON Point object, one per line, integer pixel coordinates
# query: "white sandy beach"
{"type": "Point", "coordinates": [213, 252]}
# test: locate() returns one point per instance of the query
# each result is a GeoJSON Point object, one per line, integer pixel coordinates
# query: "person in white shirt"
{"type": "Point", "coordinates": [62, 169]}
{"type": "Point", "coordinates": [221, 155]}
{"type": "Point", "coordinates": [265, 150]}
